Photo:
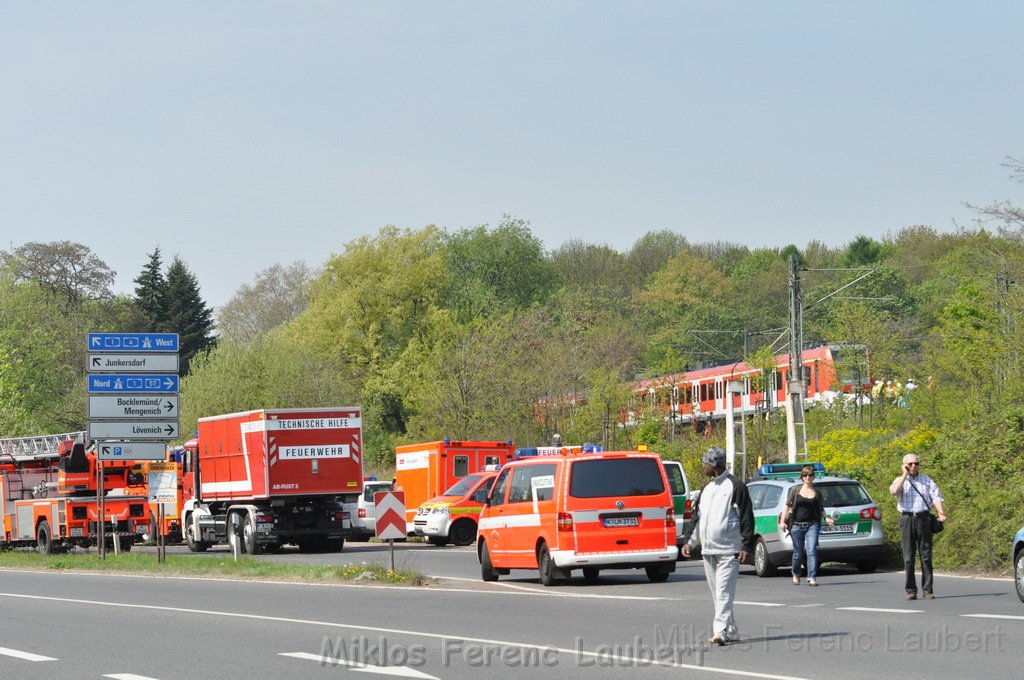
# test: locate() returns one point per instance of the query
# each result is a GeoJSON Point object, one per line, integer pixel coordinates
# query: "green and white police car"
{"type": "Point", "coordinates": [856, 536]}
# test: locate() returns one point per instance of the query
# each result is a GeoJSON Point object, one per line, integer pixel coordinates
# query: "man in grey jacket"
{"type": "Point", "coordinates": [723, 523]}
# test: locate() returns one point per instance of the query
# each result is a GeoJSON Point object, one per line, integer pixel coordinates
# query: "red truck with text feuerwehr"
{"type": "Point", "coordinates": [265, 478]}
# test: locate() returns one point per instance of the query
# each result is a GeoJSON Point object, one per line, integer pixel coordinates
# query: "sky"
{"type": "Point", "coordinates": [238, 135]}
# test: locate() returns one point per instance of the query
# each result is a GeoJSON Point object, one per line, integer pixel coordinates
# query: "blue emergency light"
{"type": "Point", "coordinates": [524, 453]}
{"type": "Point", "coordinates": [780, 470]}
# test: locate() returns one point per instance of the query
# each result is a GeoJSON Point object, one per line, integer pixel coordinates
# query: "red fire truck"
{"type": "Point", "coordinates": [50, 500]}
{"type": "Point", "coordinates": [263, 478]}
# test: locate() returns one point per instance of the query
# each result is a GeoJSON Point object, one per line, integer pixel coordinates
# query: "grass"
{"type": "Point", "coordinates": [247, 568]}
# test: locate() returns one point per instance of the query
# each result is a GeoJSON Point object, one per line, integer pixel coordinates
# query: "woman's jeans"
{"type": "Point", "coordinates": [800, 536]}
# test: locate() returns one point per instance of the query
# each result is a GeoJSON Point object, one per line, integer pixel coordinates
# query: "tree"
{"type": "Point", "coordinates": [863, 251]}
{"type": "Point", "coordinates": [277, 295]}
{"type": "Point", "coordinates": [68, 270]}
{"type": "Point", "coordinates": [150, 289]}
{"type": "Point", "coordinates": [599, 272]}
{"type": "Point", "coordinates": [497, 270]}
{"type": "Point", "coordinates": [186, 313]}
{"type": "Point", "coordinates": [653, 250]}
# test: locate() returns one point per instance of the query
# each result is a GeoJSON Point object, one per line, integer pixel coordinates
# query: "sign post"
{"type": "Point", "coordinates": [390, 520]}
{"type": "Point", "coordinates": [133, 406]}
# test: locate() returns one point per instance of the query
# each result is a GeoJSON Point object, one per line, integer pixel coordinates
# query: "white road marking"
{"type": "Point", "coordinates": [884, 611]}
{"type": "Point", "coordinates": [400, 671]}
{"type": "Point", "coordinates": [128, 676]}
{"type": "Point", "coordinates": [575, 653]}
{"type": "Point", "coordinates": [27, 656]}
{"type": "Point", "coordinates": [993, 616]}
{"type": "Point", "coordinates": [760, 604]}
{"type": "Point", "coordinates": [549, 593]}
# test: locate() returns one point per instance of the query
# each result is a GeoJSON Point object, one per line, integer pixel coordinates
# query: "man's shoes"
{"type": "Point", "coordinates": [911, 594]}
{"type": "Point", "coordinates": [929, 595]}
{"type": "Point", "coordinates": [718, 639]}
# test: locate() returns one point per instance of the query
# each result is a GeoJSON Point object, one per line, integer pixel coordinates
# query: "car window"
{"type": "Point", "coordinates": [460, 466]}
{"type": "Point", "coordinates": [837, 495]}
{"type": "Point", "coordinates": [675, 479]}
{"type": "Point", "coordinates": [462, 487]}
{"type": "Point", "coordinates": [521, 489]}
{"type": "Point", "coordinates": [756, 495]}
{"type": "Point", "coordinates": [605, 477]}
{"type": "Point", "coordinates": [772, 495]}
{"type": "Point", "coordinates": [498, 490]}
{"type": "Point", "coordinates": [374, 488]}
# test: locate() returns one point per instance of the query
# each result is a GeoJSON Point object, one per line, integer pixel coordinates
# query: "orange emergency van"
{"type": "Point", "coordinates": [571, 510]}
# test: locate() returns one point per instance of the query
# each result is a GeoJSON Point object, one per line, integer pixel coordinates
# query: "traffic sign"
{"type": "Point", "coordinates": [133, 342]}
{"type": "Point", "coordinates": [134, 363]}
{"type": "Point", "coordinates": [132, 450]}
{"type": "Point", "coordinates": [390, 509]}
{"type": "Point", "coordinates": [112, 382]}
{"type": "Point", "coordinates": [102, 429]}
{"type": "Point", "coordinates": [138, 407]}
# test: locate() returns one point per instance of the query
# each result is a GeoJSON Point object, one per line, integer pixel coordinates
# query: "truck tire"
{"type": "Point", "coordinates": [334, 545]}
{"type": "Point", "coordinates": [463, 532]}
{"type": "Point", "coordinates": [233, 520]}
{"type": "Point", "coordinates": [44, 539]}
{"type": "Point", "coordinates": [190, 538]}
{"type": "Point", "coordinates": [249, 546]}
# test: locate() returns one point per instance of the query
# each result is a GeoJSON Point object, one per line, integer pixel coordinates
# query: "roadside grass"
{"type": "Point", "coordinates": [247, 568]}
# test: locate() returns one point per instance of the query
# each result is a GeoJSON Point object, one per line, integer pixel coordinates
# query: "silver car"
{"type": "Point", "coordinates": [856, 536]}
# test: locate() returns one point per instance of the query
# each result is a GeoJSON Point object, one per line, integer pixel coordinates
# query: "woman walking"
{"type": "Point", "coordinates": [808, 510]}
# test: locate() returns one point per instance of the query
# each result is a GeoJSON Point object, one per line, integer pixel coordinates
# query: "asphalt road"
{"type": "Point", "coordinates": [851, 626]}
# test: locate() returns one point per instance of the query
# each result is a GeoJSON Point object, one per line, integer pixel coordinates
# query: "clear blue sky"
{"type": "Point", "coordinates": [243, 134]}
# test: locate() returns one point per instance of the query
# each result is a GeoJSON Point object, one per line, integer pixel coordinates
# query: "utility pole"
{"type": "Point", "coordinates": [795, 384]}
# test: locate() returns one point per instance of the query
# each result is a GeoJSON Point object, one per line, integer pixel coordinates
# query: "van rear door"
{"type": "Point", "coordinates": [619, 504]}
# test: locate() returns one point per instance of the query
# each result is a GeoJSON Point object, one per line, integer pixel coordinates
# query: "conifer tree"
{"type": "Point", "coordinates": [186, 313]}
{"type": "Point", "coordinates": [150, 287]}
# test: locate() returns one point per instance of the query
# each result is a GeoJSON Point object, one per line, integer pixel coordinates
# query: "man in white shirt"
{"type": "Point", "coordinates": [916, 494]}
{"type": "Point", "coordinates": [723, 522]}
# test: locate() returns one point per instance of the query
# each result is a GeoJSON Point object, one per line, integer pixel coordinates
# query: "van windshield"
{"type": "Point", "coordinates": [616, 477]}
{"type": "Point", "coordinates": [462, 487]}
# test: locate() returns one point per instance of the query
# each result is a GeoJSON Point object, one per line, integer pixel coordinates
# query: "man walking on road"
{"type": "Point", "coordinates": [723, 523]}
{"type": "Point", "coordinates": [915, 494]}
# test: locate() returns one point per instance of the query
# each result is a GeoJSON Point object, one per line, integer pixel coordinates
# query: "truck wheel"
{"type": "Point", "coordinates": [762, 565]}
{"type": "Point", "coordinates": [487, 571]}
{"type": "Point", "coordinates": [334, 545]}
{"type": "Point", "coordinates": [190, 538]}
{"type": "Point", "coordinates": [44, 539]}
{"type": "Point", "coordinates": [249, 546]}
{"type": "Point", "coordinates": [462, 532]}
{"type": "Point", "coordinates": [549, 573]}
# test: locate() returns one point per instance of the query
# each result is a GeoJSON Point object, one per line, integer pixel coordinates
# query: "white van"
{"type": "Point", "coordinates": [364, 518]}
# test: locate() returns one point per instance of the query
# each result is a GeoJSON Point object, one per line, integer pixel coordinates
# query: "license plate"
{"type": "Point", "coordinates": [76, 532]}
{"type": "Point", "coordinates": [621, 521]}
{"type": "Point", "coordinates": [839, 529]}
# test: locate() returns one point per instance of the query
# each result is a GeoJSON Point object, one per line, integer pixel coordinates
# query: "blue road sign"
{"type": "Point", "coordinates": [141, 383]}
{"type": "Point", "coordinates": [133, 342]}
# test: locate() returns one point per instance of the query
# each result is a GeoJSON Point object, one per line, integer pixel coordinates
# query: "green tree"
{"type": "Point", "coordinates": [277, 295]}
{"type": "Point", "coordinates": [150, 291]}
{"type": "Point", "coordinates": [652, 251]}
{"type": "Point", "coordinates": [68, 270]}
{"type": "Point", "coordinates": [186, 313]}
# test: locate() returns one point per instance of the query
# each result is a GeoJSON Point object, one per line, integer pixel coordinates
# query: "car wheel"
{"type": "Point", "coordinates": [1018, 573]}
{"type": "Point", "coordinates": [762, 565]}
{"type": "Point", "coordinates": [867, 566]}
{"type": "Point", "coordinates": [546, 566]}
{"type": "Point", "coordinates": [463, 532]}
{"type": "Point", "coordinates": [657, 574]}
{"type": "Point", "coordinates": [487, 571]}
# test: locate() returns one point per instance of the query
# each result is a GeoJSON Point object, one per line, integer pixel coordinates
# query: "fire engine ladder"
{"type": "Point", "coordinates": [27, 449]}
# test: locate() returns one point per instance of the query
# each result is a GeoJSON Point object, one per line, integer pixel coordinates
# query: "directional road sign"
{"type": "Point", "coordinates": [390, 509]}
{"type": "Point", "coordinates": [134, 363]}
{"type": "Point", "coordinates": [132, 450]}
{"type": "Point", "coordinates": [112, 382]}
{"type": "Point", "coordinates": [133, 342]}
{"type": "Point", "coordinates": [140, 407]}
{"type": "Point", "coordinates": [102, 429]}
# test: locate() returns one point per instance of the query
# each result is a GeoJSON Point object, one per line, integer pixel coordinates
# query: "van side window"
{"type": "Point", "coordinates": [756, 495]}
{"type": "Point", "coordinates": [521, 490]}
{"type": "Point", "coordinates": [771, 497]}
{"type": "Point", "coordinates": [498, 492]}
{"type": "Point", "coordinates": [460, 467]}
{"type": "Point", "coordinates": [492, 460]}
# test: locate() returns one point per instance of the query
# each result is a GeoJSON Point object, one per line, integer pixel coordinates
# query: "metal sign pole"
{"type": "Point", "coordinates": [391, 545]}
{"type": "Point", "coordinates": [100, 510]}
{"type": "Point", "coordinates": [161, 549]}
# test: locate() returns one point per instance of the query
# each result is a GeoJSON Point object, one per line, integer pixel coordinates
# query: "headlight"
{"type": "Point", "coordinates": [439, 511]}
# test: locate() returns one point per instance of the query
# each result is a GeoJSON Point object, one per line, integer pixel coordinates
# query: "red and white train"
{"type": "Point", "coordinates": [700, 396]}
